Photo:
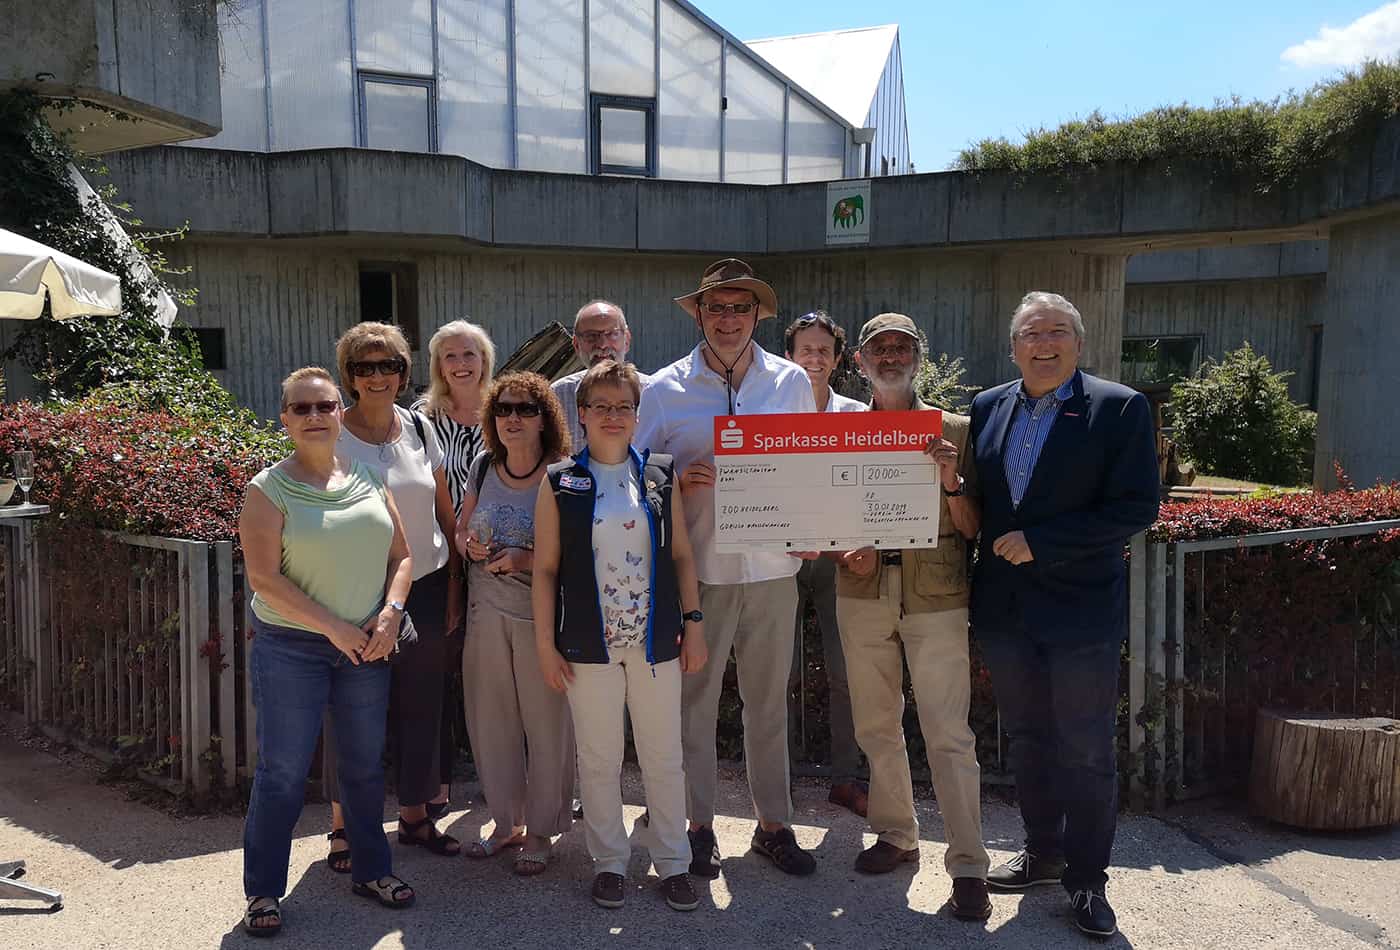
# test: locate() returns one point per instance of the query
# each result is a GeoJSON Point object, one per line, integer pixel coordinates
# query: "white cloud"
{"type": "Point", "coordinates": [1375, 35]}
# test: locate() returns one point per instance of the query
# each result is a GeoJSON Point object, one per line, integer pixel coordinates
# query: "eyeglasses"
{"type": "Point", "coordinates": [604, 409]}
{"type": "Point", "coordinates": [1057, 335]}
{"type": "Point", "coordinates": [367, 368]}
{"type": "Point", "coordinates": [525, 410]}
{"type": "Point", "coordinates": [889, 349]}
{"type": "Point", "coordinates": [736, 308]}
{"type": "Point", "coordinates": [322, 408]}
{"type": "Point", "coordinates": [591, 337]}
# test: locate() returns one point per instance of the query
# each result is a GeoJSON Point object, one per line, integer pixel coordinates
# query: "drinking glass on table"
{"type": "Point", "coordinates": [23, 462]}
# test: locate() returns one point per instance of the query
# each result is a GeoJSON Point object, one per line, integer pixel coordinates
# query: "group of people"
{"type": "Point", "coordinates": [552, 549]}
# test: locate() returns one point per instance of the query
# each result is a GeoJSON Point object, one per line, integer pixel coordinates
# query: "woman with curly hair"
{"type": "Point", "coordinates": [509, 706]}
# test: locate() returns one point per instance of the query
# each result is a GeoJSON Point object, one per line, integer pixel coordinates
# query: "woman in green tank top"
{"type": "Point", "coordinates": [328, 561]}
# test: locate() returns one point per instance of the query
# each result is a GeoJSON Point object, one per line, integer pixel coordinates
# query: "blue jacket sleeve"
{"type": "Point", "coordinates": [1128, 503]}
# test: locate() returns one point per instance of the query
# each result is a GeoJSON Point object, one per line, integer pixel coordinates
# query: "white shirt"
{"type": "Point", "coordinates": [407, 466]}
{"type": "Point", "coordinates": [566, 388]}
{"type": "Point", "coordinates": [677, 417]}
{"type": "Point", "coordinates": [835, 402]}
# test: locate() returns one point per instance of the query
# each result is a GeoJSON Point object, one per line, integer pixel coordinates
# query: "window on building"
{"type": "Point", "coordinates": [389, 294]}
{"type": "Point", "coordinates": [210, 341]}
{"type": "Point", "coordinates": [1157, 362]}
{"type": "Point", "coordinates": [624, 136]}
{"type": "Point", "coordinates": [398, 112]}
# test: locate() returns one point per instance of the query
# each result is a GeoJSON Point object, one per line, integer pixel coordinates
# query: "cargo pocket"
{"type": "Point", "coordinates": [941, 571]}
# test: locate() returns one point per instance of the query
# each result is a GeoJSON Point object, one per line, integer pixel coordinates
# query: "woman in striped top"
{"type": "Point", "coordinates": [460, 359]}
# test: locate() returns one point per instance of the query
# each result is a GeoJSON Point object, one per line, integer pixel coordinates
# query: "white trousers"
{"type": "Point", "coordinates": [653, 695]}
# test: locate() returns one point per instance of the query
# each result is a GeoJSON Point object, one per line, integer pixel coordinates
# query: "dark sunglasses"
{"type": "Point", "coordinates": [525, 410]}
{"type": "Point", "coordinates": [718, 308]}
{"type": "Point", "coordinates": [366, 368]}
{"type": "Point", "coordinates": [324, 408]}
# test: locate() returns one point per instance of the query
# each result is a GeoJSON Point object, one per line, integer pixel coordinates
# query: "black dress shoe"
{"type": "Point", "coordinates": [782, 849]}
{"type": "Point", "coordinates": [704, 853]}
{"type": "Point", "coordinates": [1025, 870]}
{"type": "Point", "coordinates": [969, 900]}
{"type": "Point", "coordinates": [1092, 913]}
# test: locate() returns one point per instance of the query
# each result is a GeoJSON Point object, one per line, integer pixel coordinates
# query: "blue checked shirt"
{"type": "Point", "coordinates": [1030, 427]}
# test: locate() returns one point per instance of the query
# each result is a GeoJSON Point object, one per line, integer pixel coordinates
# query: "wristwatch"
{"type": "Point", "coordinates": [397, 605]}
{"type": "Point", "coordinates": [693, 615]}
{"type": "Point", "coordinates": [958, 492]}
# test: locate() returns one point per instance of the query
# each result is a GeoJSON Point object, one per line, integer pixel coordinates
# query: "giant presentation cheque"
{"type": "Point", "coordinates": [821, 481]}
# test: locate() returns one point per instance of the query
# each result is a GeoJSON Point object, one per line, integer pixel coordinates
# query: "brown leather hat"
{"type": "Point", "coordinates": [732, 272]}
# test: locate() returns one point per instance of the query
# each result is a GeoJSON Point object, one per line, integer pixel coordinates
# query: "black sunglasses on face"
{"type": "Point", "coordinates": [739, 308]}
{"type": "Point", "coordinates": [525, 410]}
{"type": "Point", "coordinates": [324, 408]}
{"type": "Point", "coordinates": [367, 368]}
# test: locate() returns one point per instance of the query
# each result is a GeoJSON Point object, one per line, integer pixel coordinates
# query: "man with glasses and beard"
{"type": "Point", "coordinates": [910, 606]}
{"type": "Point", "coordinates": [600, 333]}
{"type": "Point", "coordinates": [747, 600]}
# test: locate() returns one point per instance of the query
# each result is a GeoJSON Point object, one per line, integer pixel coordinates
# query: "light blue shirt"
{"type": "Point", "coordinates": [1030, 427]}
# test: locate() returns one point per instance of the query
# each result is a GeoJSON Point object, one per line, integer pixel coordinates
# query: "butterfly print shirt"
{"type": "Point", "coordinates": [621, 553]}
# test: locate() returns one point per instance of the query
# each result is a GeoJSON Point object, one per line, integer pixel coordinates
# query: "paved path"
{"type": "Point", "coordinates": [135, 877]}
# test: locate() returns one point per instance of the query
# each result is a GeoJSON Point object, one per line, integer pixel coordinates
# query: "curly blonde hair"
{"type": "Point", "coordinates": [363, 337]}
{"type": "Point", "coordinates": [555, 434]}
{"type": "Point", "coordinates": [437, 396]}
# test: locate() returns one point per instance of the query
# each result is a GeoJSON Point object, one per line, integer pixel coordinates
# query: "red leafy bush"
{"type": "Point", "coordinates": [138, 472]}
{"type": "Point", "coordinates": [1309, 625]}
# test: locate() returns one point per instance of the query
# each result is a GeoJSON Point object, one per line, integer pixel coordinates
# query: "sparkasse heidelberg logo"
{"type": "Point", "coordinates": [732, 437]}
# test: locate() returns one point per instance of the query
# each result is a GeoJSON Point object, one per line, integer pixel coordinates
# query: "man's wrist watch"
{"type": "Point", "coordinates": [396, 604]}
{"type": "Point", "coordinates": [694, 616]}
{"type": "Point", "coordinates": [957, 492]}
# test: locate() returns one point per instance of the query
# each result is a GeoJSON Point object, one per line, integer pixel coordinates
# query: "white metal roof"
{"type": "Point", "coordinates": [842, 68]}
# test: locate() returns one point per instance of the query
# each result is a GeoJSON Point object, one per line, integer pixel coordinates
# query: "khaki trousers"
{"type": "Point", "coordinates": [508, 704]}
{"type": "Point", "coordinates": [653, 696]}
{"type": "Point", "coordinates": [935, 646]}
{"type": "Point", "coordinates": [755, 621]}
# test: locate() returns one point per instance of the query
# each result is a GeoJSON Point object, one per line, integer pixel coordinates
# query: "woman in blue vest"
{"type": "Point", "coordinates": [620, 627]}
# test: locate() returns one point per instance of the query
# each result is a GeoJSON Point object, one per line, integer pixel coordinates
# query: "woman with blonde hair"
{"type": "Point", "coordinates": [329, 564]}
{"type": "Point", "coordinates": [460, 359]}
{"type": "Point", "coordinates": [403, 450]}
{"type": "Point", "coordinates": [509, 706]}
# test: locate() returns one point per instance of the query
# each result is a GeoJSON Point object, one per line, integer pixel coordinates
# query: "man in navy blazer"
{"type": "Point", "coordinates": [1067, 473]}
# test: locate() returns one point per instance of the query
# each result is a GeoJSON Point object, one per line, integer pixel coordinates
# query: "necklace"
{"type": "Point", "coordinates": [505, 464]}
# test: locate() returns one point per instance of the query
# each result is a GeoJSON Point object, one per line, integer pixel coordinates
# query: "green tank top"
{"type": "Point", "coordinates": [335, 544]}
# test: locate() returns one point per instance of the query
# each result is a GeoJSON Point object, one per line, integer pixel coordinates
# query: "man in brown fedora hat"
{"type": "Point", "coordinates": [748, 600]}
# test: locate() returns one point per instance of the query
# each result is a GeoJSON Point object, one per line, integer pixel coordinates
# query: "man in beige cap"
{"type": "Point", "coordinates": [747, 600]}
{"type": "Point", "coordinates": [914, 602]}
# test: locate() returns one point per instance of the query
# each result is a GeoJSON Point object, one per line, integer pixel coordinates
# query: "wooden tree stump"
{"type": "Point", "coordinates": [1325, 772]}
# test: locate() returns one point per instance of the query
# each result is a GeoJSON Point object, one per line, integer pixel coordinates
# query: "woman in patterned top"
{"type": "Point", "coordinates": [508, 704]}
{"type": "Point", "coordinates": [460, 359]}
{"type": "Point", "coordinates": [620, 627]}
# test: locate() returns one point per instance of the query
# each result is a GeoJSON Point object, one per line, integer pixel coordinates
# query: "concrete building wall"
{"type": "Point", "coordinates": [1276, 316]}
{"type": "Point", "coordinates": [282, 304]}
{"type": "Point", "coordinates": [1357, 411]}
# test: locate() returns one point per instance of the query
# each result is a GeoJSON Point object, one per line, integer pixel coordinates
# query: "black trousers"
{"type": "Point", "coordinates": [415, 698]}
{"type": "Point", "coordinates": [1059, 707]}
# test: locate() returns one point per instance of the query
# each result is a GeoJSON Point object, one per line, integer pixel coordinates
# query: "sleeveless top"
{"type": "Point", "coordinates": [335, 543]}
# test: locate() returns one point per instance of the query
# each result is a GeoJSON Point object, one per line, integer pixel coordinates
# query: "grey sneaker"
{"type": "Point", "coordinates": [1025, 870]}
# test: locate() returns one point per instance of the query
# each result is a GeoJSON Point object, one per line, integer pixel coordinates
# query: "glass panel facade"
{"type": "Point", "coordinates": [816, 144]}
{"type": "Point", "coordinates": [753, 126]}
{"type": "Point", "coordinates": [313, 93]}
{"type": "Point", "coordinates": [398, 116]}
{"type": "Point", "coordinates": [687, 104]}
{"type": "Point", "coordinates": [552, 113]}
{"type": "Point", "coordinates": [242, 82]}
{"type": "Point", "coordinates": [394, 36]}
{"type": "Point", "coordinates": [474, 80]}
{"type": "Point", "coordinates": [623, 137]}
{"type": "Point", "coordinates": [622, 47]}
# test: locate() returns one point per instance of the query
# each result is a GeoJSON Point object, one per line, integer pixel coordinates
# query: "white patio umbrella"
{"type": "Point", "coordinates": [31, 272]}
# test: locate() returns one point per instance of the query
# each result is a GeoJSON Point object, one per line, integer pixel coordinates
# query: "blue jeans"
{"type": "Point", "coordinates": [295, 676]}
{"type": "Point", "coordinates": [1059, 707]}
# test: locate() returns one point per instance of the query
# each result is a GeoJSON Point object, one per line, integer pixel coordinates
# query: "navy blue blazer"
{"type": "Point", "coordinates": [1094, 486]}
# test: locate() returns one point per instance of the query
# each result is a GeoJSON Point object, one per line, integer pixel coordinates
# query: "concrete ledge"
{"type": "Point", "coordinates": [220, 193]}
{"type": "Point", "coordinates": [1245, 262]}
{"type": "Point", "coordinates": [1112, 210]}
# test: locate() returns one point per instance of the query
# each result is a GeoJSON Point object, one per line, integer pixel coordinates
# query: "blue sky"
{"type": "Point", "coordinates": [1001, 67]}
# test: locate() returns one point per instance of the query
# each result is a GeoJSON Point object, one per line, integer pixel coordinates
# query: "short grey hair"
{"type": "Point", "coordinates": [1044, 300]}
{"type": "Point", "coordinates": [602, 303]}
